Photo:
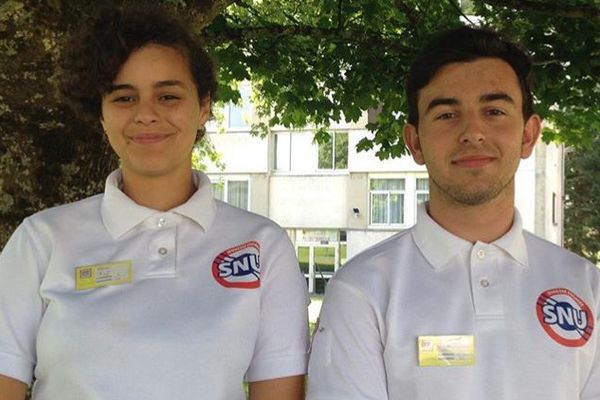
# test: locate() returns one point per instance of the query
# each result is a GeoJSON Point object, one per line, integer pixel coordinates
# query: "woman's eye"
{"type": "Point", "coordinates": [169, 97]}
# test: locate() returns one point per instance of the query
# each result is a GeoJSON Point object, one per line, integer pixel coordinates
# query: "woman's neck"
{"type": "Point", "coordinates": [159, 192]}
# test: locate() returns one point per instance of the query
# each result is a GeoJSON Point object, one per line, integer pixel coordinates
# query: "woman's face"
{"type": "Point", "coordinates": [152, 113]}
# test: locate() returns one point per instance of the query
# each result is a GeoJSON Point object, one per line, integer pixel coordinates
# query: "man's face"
{"type": "Point", "coordinates": [471, 132]}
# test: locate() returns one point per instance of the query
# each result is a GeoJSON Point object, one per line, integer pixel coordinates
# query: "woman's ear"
{"type": "Point", "coordinates": [205, 111]}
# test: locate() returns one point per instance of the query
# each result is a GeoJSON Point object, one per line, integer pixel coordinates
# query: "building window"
{"type": "Point", "coordinates": [283, 151]}
{"type": "Point", "coordinates": [232, 192]}
{"type": "Point", "coordinates": [334, 153]}
{"type": "Point", "coordinates": [238, 115]}
{"type": "Point", "coordinates": [422, 190]}
{"type": "Point", "coordinates": [387, 201]}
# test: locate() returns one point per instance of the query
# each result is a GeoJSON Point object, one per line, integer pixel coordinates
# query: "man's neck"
{"type": "Point", "coordinates": [159, 192]}
{"type": "Point", "coordinates": [485, 223]}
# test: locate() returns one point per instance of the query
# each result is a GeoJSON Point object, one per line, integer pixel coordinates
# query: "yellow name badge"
{"type": "Point", "coordinates": [446, 351]}
{"type": "Point", "coordinates": [99, 275]}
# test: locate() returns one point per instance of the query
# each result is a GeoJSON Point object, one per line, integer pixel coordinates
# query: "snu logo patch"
{"type": "Point", "coordinates": [238, 267]}
{"type": "Point", "coordinates": [565, 317]}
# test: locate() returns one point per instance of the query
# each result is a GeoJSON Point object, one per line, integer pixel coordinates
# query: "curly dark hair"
{"type": "Point", "coordinates": [93, 57]}
{"type": "Point", "coordinates": [466, 44]}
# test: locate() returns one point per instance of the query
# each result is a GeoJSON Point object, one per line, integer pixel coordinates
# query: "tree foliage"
{"type": "Point", "coordinates": [582, 208]}
{"type": "Point", "coordinates": [310, 61]}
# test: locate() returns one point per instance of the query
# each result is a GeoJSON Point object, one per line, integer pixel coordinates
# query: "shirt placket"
{"type": "Point", "coordinates": [162, 247]}
{"type": "Point", "coordinates": [486, 281]}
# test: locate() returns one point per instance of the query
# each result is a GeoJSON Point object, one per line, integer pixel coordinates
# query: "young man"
{"type": "Point", "coordinates": [464, 305]}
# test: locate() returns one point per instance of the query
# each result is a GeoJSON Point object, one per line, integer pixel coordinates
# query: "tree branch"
{"type": "Point", "coordinates": [561, 9]}
{"type": "Point", "coordinates": [411, 13]}
{"type": "Point", "coordinates": [340, 22]}
{"type": "Point", "coordinates": [290, 17]}
{"type": "Point", "coordinates": [204, 11]}
{"type": "Point", "coordinates": [253, 11]}
{"type": "Point", "coordinates": [460, 11]}
{"type": "Point", "coordinates": [280, 31]}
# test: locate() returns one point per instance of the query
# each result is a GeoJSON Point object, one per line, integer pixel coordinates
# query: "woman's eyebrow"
{"type": "Point", "coordinates": [156, 85]}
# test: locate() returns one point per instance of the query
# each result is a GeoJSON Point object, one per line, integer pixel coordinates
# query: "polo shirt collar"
{"type": "Point", "coordinates": [439, 246]}
{"type": "Point", "coordinates": [201, 207]}
{"type": "Point", "coordinates": [436, 244]}
{"type": "Point", "coordinates": [513, 242]}
{"type": "Point", "coordinates": [120, 214]}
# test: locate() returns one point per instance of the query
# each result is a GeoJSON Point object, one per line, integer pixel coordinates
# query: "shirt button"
{"type": "Point", "coordinates": [481, 254]}
{"type": "Point", "coordinates": [162, 251]}
{"type": "Point", "coordinates": [161, 222]}
{"type": "Point", "coordinates": [484, 282]}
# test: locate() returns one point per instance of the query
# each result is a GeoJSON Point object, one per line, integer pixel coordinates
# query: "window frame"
{"type": "Point", "coordinates": [420, 191]}
{"type": "Point", "coordinates": [245, 108]}
{"type": "Point", "coordinates": [332, 142]}
{"type": "Point", "coordinates": [409, 192]}
{"type": "Point", "coordinates": [388, 193]}
{"type": "Point", "coordinates": [225, 183]}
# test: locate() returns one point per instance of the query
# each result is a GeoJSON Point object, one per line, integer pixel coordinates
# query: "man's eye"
{"type": "Point", "coordinates": [447, 115]}
{"type": "Point", "coordinates": [123, 99]}
{"type": "Point", "coordinates": [495, 111]}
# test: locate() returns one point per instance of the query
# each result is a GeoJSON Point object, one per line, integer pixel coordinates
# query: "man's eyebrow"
{"type": "Point", "coordinates": [441, 101]}
{"type": "Point", "coordinates": [159, 84]}
{"type": "Point", "coordinates": [171, 82]}
{"type": "Point", "coordinates": [489, 97]}
{"type": "Point", "coordinates": [486, 98]}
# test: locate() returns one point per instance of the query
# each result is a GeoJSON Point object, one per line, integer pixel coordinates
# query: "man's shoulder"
{"type": "Point", "coordinates": [558, 268]}
{"type": "Point", "coordinates": [543, 252]}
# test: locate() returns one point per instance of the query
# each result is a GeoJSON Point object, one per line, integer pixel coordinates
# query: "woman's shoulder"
{"type": "Point", "coordinates": [68, 213]}
{"type": "Point", "coordinates": [227, 212]}
{"type": "Point", "coordinates": [230, 219]}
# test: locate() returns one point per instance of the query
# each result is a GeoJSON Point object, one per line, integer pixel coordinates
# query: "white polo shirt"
{"type": "Point", "coordinates": [530, 307]}
{"type": "Point", "coordinates": [216, 295]}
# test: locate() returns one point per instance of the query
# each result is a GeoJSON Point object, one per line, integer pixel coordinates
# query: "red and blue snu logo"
{"type": "Point", "coordinates": [565, 317]}
{"type": "Point", "coordinates": [238, 267]}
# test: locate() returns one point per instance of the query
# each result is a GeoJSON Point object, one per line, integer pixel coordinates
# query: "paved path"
{"type": "Point", "coordinates": [314, 307]}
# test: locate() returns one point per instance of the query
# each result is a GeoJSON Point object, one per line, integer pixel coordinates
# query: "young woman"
{"type": "Point", "coordinates": [153, 289]}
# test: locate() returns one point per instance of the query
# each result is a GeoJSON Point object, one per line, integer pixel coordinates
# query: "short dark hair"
{"type": "Point", "coordinates": [93, 57]}
{"type": "Point", "coordinates": [466, 44]}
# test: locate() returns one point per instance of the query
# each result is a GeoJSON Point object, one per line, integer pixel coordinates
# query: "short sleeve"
{"type": "Point", "coordinates": [282, 342]}
{"type": "Point", "coordinates": [21, 306]}
{"type": "Point", "coordinates": [591, 390]}
{"type": "Point", "coordinates": [346, 360]}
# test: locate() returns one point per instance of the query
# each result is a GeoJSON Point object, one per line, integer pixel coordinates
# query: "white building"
{"type": "Point", "coordinates": [335, 202]}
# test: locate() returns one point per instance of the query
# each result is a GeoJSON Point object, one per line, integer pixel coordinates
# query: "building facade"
{"type": "Point", "coordinates": [335, 202]}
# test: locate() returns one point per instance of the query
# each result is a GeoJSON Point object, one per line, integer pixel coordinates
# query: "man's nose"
{"type": "Point", "coordinates": [473, 130]}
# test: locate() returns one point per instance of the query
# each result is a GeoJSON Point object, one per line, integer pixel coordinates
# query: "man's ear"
{"type": "Point", "coordinates": [413, 142]}
{"type": "Point", "coordinates": [531, 134]}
